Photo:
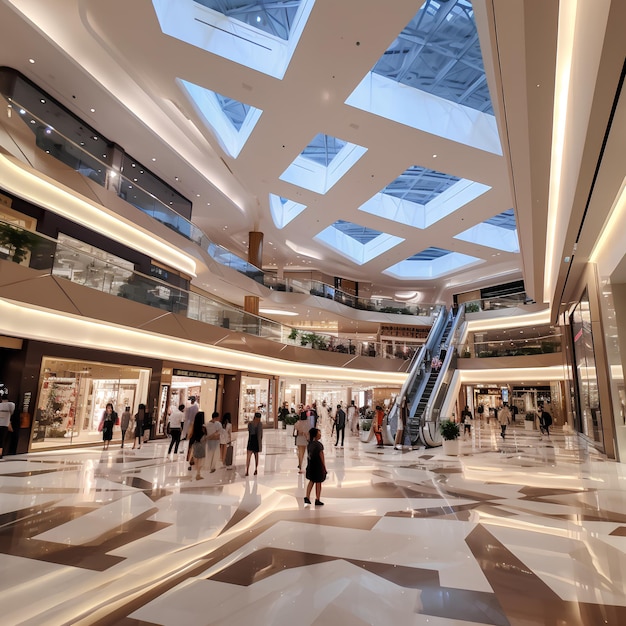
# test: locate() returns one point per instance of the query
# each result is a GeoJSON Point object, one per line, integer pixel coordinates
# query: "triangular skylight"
{"type": "Point", "coordinates": [284, 210]}
{"type": "Point", "coordinates": [419, 197]}
{"type": "Point", "coordinates": [259, 35]}
{"type": "Point", "coordinates": [322, 163]}
{"type": "Point", "coordinates": [431, 263]}
{"type": "Point", "coordinates": [358, 243]}
{"type": "Point", "coordinates": [230, 120]}
{"type": "Point", "coordinates": [432, 78]}
{"type": "Point", "coordinates": [499, 232]}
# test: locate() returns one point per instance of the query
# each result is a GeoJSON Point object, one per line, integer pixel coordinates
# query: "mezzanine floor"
{"type": "Point", "coordinates": [526, 532]}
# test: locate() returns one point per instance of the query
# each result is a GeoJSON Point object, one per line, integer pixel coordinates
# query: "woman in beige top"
{"type": "Point", "coordinates": [301, 433]}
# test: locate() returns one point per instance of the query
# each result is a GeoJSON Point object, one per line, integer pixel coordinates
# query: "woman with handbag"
{"type": "Point", "coordinates": [301, 433]}
{"type": "Point", "coordinates": [109, 419]}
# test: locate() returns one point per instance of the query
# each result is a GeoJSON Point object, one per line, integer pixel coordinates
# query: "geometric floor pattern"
{"type": "Point", "coordinates": [523, 532]}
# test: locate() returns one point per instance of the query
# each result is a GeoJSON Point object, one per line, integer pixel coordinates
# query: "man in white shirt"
{"type": "Point", "coordinates": [190, 414]}
{"type": "Point", "coordinates": [213, 431]}
{"type": "Point", "coordinates": [174, 424]}
{"type": "Point", "coordinates": [352, 417]}
{"type": "Point", "coordinates": [6, 411]}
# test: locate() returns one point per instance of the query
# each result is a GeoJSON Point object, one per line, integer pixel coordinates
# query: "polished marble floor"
{"type": "Point", "coordinates": [523, 532]}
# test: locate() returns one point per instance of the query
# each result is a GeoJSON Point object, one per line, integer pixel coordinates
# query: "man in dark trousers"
{"type": "Point", "coordinates": [340, 424]}
{"type": "Point", "coordinates": [545, 421]}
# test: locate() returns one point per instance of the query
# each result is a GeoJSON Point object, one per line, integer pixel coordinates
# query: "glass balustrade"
{"type": "Point", "coordinates": [65, 261]}
{"type": "Point", "coordinates": [546, 344]}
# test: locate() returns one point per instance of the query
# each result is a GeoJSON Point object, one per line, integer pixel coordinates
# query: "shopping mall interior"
{"type": "Point", "coordinates": [273, 211]}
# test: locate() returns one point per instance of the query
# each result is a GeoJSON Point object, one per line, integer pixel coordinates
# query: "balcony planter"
{"type": "Point", "coordinates": [450, 447]}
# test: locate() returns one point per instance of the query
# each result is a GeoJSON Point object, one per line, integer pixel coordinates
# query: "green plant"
{"type": "Point", "coordinates": [365, 425]}
{"type": "Point", "coordinates": [293, 334]}
{"type": "Point", "coordinates": [449, 430]}
{"type": "Point", "coordinates": [291, 419]}
{"type": "Point", "coordinates": [472, 307]}
{"type": "Point", "coordinates": [19, 242]}
{"type": "Point", "coordinates": [529, 417]}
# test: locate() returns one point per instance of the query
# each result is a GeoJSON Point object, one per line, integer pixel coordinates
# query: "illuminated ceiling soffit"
{"type": "Point", "coordinates": [419, 197]}
{"type": "Point", "coordinates": [430, 264]}
{"type": "Point", "coordinates": [432, 78]}
{"type": "Point", "coordinates": [246, 32]}
{"type": "Point", "coordinates": [284, 210]}
{"type": "Point", "coordinates": [499, 232]}
{"type": "Point", "coordinates": [322, 163]}
{"type": "Point", "coordinates": [358, 243]}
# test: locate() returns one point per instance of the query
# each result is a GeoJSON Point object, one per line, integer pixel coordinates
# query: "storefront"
{"type": "Point", "coordinates": [73, 395]}
{"type": "Point", "coordinates": [256, 396]}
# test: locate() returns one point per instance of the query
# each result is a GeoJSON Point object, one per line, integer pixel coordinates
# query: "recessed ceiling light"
{"type": "Point", "coordinates": [176, 178]}
{"type": "Point", "coordinates": [197, 195]}
{"type": "Point", "coordinates": [208, 204]}
{"type": "Point", "coordinates": [154, 158]}
{"type": "Point", "coordinates": [92, 110]}
{"type": "Point", "coordinates": [31, 60]}
{"type": "Point", "coordinates": [434, 156]}
{"type": "Point", "coordinates": [42, 100]}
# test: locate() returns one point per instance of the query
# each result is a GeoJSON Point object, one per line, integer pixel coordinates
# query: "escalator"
{"type": "Point", "coordinates": [429, 376]}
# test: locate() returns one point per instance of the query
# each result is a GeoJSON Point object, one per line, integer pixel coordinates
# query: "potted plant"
{"type": "Point", "coordinates": [18, 241]}
{"type": "Point", "coordinates": [529, 421]}
{"type": "Point", "coordinates": [450, 432]}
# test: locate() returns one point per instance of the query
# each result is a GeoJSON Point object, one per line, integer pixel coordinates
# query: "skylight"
{"type": "Point", "coordinates": [260, 35]}
{"type": "Point", "coordinates": [499, 232]}
{"type": "Point", "coordinates": [439, 52]}
{"type": "Point", "coordinates": [274, 18]}
{"type": "Point", "coordinates": [419, 197]}
{"type": "Point", "coordinates": [230, 120]}
{"type": "Point", "coordinates": [358, 243]}
{"type": "Point", "coordinates": [284, 210]}
{"type": "Point", "coordinates": [431, 263]}
{"type": "Point", "coordinates": [432, 78]}
{"type": "Point", "coordinates": [322, 163]}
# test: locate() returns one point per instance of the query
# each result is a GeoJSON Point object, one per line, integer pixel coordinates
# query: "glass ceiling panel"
{"type": "Point", "coordinates": [439, 52]}
{"type": "Point", "coordinates": [420, 185]}
{"type": "Point", "coordinates": [273, 17]}
{"type": "Point", "coordinates": [429, 254]}
{"type": "Point", "coordinates": [506, 220]}
{"type": "Point", "coordinates": [323, 149]}
{"type": "Point", "coordinates": [362, 234]}
{"type": "Point", "coordinates": [234, 110]}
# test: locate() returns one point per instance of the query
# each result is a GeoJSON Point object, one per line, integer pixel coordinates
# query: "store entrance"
{"type": "Point", "coordinates": [201, 386]}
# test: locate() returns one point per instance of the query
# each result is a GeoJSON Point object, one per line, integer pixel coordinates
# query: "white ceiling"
{"type": "Point", "coordinates": [113, 57]}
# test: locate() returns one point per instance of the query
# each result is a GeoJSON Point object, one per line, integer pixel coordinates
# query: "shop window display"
{"type": "Point", "coordinates": [73, 396]}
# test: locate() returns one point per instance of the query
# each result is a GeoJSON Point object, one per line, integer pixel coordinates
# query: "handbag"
{"type": "Point", "coordinates": [198, 449]}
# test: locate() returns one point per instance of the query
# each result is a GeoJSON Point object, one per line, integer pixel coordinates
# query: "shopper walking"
{"type": "Point", "coordinates": [545, 421]}
{"type": "Point", "coordinates": [467, 419]}
{"type": "Point", "coordinates": [109, 419]}
{"type": "Point", "coordinates": [174, 427]}
{"type": "Point", "coordinates": [214, 433]}
{"type": "Point", "coordinates": [316, 467]}
{"type": "Point", "coordinates": [190, 415]}
{"type": "Point", "coordinates": [140, 416]}
{"type": "Point", "coordinates": [124, 423]}
{"type": "Point", "coordinates": [196, 432]}
{"type": "Point", "coordinates": [255, 442]}
{"type": "Point", "coordinates": [352, 415]}
{"type": "Point", "coordinates": [301, 433]}
{"type": "Point", "coordinates": [504, 418]}
{"type": "Point", "coordinates": [340, 425]}
{"type": "Point", "coordinates": [226, 436]}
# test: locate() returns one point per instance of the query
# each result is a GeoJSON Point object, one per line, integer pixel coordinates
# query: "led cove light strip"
{"type": "Point", "coordinates": [20, 319]}
{"type": "Point", "coordinates": [44, 192]}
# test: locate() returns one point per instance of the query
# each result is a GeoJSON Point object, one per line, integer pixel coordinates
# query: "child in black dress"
{"type": "Point", "coordinates": [316, 468]}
